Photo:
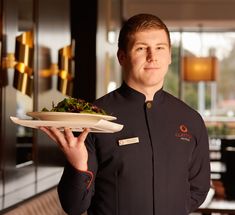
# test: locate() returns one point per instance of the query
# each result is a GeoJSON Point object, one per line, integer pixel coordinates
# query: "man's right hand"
{"type": "Point", "coordinates": [73, 147]}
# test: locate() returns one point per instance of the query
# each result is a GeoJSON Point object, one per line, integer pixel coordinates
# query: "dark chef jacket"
{"type": "Point", "coordinates": [164, 170]}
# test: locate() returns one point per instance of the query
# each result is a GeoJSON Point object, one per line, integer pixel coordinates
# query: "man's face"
{"type": "Point", "coordinates": [146, 60]}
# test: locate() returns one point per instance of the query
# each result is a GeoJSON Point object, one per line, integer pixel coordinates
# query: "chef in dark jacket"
{"type": "Point", "coordinates": [158, 164]}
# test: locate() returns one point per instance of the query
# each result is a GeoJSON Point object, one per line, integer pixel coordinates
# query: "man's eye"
{"type": "Point", "coordinates": [140, 48]}
{"type": "Point", "coordinates": [160, 47]}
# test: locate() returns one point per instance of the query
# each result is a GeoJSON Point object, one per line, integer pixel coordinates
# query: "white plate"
{"type": "Point", "coordinates": [67, 116]}
{"type": "Point", "coordinates": [101, 126]}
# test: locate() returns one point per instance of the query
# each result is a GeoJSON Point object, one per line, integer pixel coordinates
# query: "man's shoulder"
{"type": "Point", "coordinates": [107, 96]}
{"type": "Point", "coordinates": [179, 105]}
{"type": "Point", "coordinates": [108, 100]}
{"type": "Point", "coordinates": [168, 97]}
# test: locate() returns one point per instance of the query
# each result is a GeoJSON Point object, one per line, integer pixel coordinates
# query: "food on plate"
{"type": "Point", "coordinates": [75, 105]}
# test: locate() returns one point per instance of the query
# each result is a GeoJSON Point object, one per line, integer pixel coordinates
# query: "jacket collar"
{"type": "Point", "coordinates": [133, 94]}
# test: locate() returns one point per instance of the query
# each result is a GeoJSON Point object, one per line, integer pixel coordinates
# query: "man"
{"type": "Point", "coordinates": [163, 166]}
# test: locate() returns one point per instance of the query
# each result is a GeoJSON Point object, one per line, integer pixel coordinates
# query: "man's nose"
{"type": "Point", "coordinates": [151, 55]}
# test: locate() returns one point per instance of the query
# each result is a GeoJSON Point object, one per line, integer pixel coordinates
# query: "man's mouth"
{"type": "Point", "coordinates": [151, 68]}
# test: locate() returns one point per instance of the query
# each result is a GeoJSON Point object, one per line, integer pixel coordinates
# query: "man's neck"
{"type": "Point", "coordinates": [149, 92]}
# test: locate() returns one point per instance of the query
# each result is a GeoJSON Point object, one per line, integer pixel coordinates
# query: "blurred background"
{"type": "Point", "coordinates": [52, 49]}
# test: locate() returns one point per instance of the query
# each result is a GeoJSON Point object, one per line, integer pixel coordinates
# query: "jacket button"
{"type": "Point", "coordinates": [149, 105]}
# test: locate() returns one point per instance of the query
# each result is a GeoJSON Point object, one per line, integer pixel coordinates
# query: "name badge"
{"type": "Point", "coordinates": [128, 141]}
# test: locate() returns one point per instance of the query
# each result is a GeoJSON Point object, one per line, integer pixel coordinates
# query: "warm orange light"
{"type": "Point", "coordinates": [199, 68]}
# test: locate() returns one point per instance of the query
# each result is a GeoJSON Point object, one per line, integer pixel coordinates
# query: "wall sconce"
{"type": "Point", "coordinates": [9, 62]}
{"type": "Point", "coordinates": [53, 70]}
{"type": "Point", "coordinates": [23, 76]}
{"type": "Point", "coordinates": [66, 69]}
{"type": "Point", "coordinates": [199, 68]}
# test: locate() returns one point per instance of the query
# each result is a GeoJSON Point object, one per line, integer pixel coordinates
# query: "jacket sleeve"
{"type": "Point", "coordinates": [199, 173]}
{"type": "Point", "coordinates": [76, 188]}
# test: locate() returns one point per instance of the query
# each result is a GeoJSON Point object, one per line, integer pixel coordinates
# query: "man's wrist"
{"type": "Point", "coordinates": [81, 167]}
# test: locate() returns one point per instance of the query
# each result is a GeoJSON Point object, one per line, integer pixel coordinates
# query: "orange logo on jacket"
{"type": "Point", "coordinates": [183, 133]}
{"type": "Point", "coordinates": [183, 129]}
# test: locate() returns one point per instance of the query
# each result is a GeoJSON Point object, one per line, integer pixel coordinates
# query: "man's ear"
{"type": "Point", "coordinates": [121, 56]}
{"type": "Point", "coordinates": [170, 61]}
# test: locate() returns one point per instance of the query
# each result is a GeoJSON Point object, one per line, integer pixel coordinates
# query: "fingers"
{"type": "Point", "coordinates": [48, 132]}
{"type": "Point", "coordinates": [59, 136]}
{"type": "Point", "coordinates": [74, 141]}
{"type": "Point", "coordinates": [56, 135]}
{"type": "Point", "coordinates": [82, 137]}
{"type": "Point", "coordinates": [67, 138]}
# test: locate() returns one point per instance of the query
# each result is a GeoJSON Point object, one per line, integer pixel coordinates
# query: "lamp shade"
{"type": "Point", "coordinates": [199, 68]}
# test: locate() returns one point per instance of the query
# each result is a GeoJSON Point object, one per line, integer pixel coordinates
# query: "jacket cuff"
{"type": "Point", "coordinates": [79, 177]}
{"type": "Point", "coordinates": [88, 175]}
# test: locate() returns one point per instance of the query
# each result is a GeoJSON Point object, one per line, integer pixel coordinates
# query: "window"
{"type": "Point", "coordinates": [209, 98]}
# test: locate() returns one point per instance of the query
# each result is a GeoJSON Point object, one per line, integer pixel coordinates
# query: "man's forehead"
{"type": "Point", "coordinates": [159, 36]}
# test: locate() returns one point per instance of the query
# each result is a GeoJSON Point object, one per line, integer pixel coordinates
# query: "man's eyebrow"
{"type": "Point", "coordinates": [143, 43]}
{"type": "Point", "coordinates": [162, 44]}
